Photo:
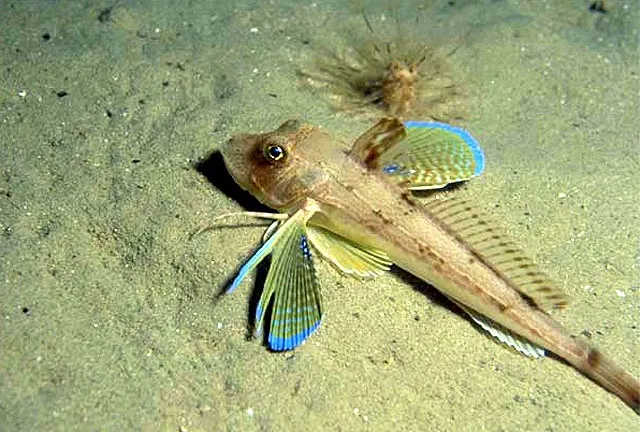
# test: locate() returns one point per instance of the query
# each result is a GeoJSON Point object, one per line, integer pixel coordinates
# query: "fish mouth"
{"type": "Point", "coordinates": [224, 151]}
{"type": "Point", "coordinates": [237, 154]}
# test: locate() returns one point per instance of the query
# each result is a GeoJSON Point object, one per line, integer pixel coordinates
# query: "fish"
{"type": "Point", "coordinates": [356, 208]}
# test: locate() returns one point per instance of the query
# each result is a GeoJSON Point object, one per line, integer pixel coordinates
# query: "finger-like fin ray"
{"type": "Point", "coordinates": [377, 140]}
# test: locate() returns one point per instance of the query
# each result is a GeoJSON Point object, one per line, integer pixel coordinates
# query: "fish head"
{"type": "Point", "coordinates": [274, 166]}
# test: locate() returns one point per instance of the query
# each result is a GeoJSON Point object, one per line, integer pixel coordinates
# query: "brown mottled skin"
{"type": "Point", "coordinates": [362, 205]}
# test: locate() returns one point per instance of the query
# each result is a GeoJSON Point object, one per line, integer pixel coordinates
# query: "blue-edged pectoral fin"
{"type": "Point", "coordinates": [292, 288]}
{"type": "Point", "coordinates": [292, 285]}
{"type": "Point", "coordinates": [419, 155]}
{"type": "Point", "coordinates": [255, 259]}
{"type": "Point", "coordinates": [432, 156]}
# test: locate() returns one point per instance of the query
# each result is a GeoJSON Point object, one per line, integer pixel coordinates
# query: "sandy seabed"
{"type": "Point", "coordinates": [110, 320]}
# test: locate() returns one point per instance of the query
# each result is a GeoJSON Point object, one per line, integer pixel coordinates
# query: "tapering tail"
{"type": "Point", "coordinates": [592, 363]}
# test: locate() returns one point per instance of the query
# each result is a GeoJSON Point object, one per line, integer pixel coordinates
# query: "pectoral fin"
{"type": "Point", "coordinates": [420, 155]}
{"type": "Point", "coordinates": [433, 155]}
{"type": "Point", "coordinates": [291, 287]}
{"type": "Point", "coordinates": [351, 258]}
{"type": "Point", "coordinates": [255, 259]}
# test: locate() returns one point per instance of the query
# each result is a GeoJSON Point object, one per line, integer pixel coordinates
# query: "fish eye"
{"type": "Point", "coordinates": [274, 152]}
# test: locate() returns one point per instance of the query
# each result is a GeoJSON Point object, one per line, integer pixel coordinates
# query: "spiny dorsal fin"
{"type": "Point", "coordinates": [472, 227]}
{"type": "Point", "coordinates": [349, 257]}
{"type": "Point", "coordinates": [377, 140]}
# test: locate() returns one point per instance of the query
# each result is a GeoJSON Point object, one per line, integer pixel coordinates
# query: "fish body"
{"type": "Point", "coordinates": [355, 207]}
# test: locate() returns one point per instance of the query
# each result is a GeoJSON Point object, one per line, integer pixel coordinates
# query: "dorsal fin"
{"type": "Point", "coordinates": [491, 243]}
{"type": "Point", "coordinates": [377, 140]}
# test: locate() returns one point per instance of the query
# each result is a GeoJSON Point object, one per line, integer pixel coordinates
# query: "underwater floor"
{"type": "Point", "coordinates": [110, 314]}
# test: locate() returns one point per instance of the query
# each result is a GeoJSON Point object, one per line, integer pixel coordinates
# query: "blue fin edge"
{"type": "Point", "coordinates": [255, 259]}
{"type": "Point", "coordinates": [478, 154]}
{"type": "Point", "coordinates": [291, 342]}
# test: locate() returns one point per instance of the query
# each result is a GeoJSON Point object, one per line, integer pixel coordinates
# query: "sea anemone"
{"type": "Point", "coordinates": [387, 71]}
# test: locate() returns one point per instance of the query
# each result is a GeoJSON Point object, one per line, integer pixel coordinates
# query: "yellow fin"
{"type": "Point", "coordinates": [492, 244]}
{"type": "Point", "coordinates": [351, 258]}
